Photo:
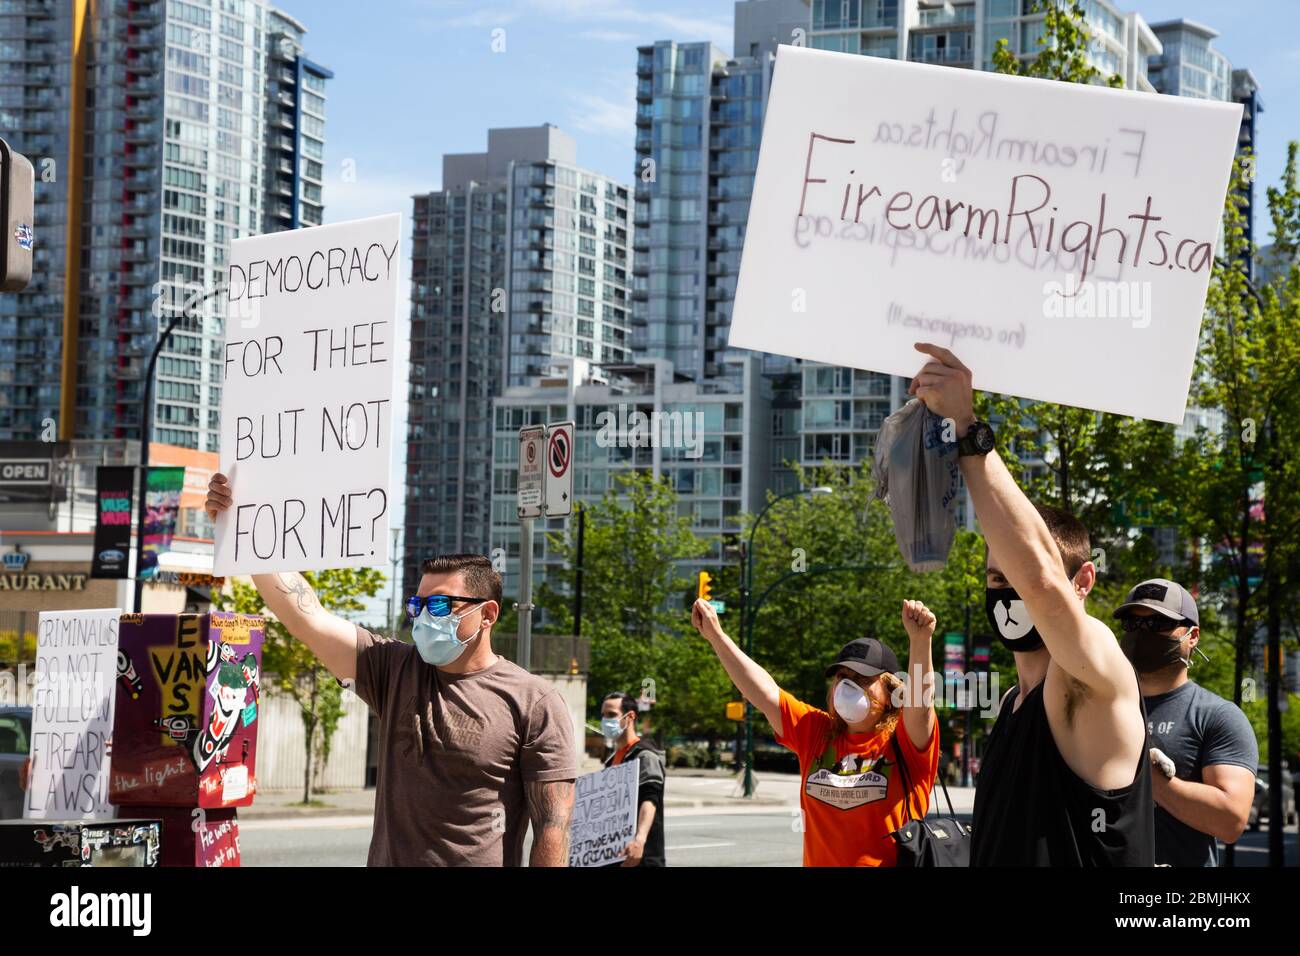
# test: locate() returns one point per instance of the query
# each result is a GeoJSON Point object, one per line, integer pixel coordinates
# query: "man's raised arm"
{"type": "Point", "coordinates": [291, 599]}
{"type": "Point", "coordinates": [1016, 533]}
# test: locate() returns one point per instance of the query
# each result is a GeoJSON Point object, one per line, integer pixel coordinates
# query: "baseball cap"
{"type": "Point", "coordinates": [867, 656]}
{"type": "Point", "coordinates": [1163, 597]}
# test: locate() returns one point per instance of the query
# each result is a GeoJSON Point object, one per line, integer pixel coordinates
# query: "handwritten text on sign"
{"type": "Point", "coordinates": [72, 715]}
{"type": "Point", "coordinates": [604, 815]}
{"type": "Point", "coordinates": [1058, 237]}
{"type": "Point", "coordinates": [306, 413]}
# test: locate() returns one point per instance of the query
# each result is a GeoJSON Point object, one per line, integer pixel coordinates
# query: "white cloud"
{"type": "Point", "coordinates": [599, 16]}
{"type": "Point", "coordinates": [370, 194]}
{"type": "Point", "coordinates": [656, 24]}
{"type": "Point", "coordinates": [456, 14]}
{"type": "Point", "coordinates": [608, 36]}
{"type": "Point", "coordinates": [612, 116]}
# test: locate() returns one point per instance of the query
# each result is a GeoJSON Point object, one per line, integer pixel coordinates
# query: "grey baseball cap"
{"type": "Point", "coordinates": [867, 656]}
{"type": "Point", "coordinates": [1163, 597]}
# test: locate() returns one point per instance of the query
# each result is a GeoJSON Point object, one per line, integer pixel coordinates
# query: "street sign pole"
{"type": "Point", "coordinates": [532, 493]}
{"type": "Point", "coordinates": [525, 592]}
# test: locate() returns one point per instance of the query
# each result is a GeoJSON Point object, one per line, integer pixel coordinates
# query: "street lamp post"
{"type": "Point", "coordinates": [395, 563]}
{"type": "Point", "coordinates": [746, 619]}
{"type": "Point", "coordinates": [146, 427]}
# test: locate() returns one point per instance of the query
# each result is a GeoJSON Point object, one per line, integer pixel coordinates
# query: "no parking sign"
{"type": "Point", "coordinates": [559, 470]}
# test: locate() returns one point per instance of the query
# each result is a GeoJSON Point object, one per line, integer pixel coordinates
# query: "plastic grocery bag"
{"type": "Point", "coordinates": [916, 474]}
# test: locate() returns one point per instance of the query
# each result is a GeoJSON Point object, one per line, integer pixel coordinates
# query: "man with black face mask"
{"type": "Point", "coordinates": [1063, 778]}
{"type": "Point", "coordinates": [1203, 749]}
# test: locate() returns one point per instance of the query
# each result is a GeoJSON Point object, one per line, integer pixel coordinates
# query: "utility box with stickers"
{"type": "Point", "coordinates": [105, 843]}
{"type": "Point", "coordinates": [185, 717]}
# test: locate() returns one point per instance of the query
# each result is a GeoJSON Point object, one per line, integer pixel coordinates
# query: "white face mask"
{"type": "Point", "coordinates": [851, 701]}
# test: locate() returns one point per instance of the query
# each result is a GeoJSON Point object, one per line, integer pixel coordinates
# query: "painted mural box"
{"type": "Point", "coordinates": [194, 837]}
{"type": "Point", "coordinates": [185, 726]}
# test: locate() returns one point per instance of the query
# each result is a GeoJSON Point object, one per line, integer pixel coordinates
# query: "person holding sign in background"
{"type": "Point", "coordinates": [1064, 779]}
{"type": "Point", "coordinates": [472, 747]}
{"type": "Point", "coordinates": [864, 774]}
{"type": "Point", "coordinates": [618, 722]}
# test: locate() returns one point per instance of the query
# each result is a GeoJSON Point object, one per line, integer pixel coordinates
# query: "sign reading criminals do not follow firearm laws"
{"type": "Point", "coordinates": [1058, 237]}
{"type": "Point", "coordinates": [306, 409]}
{"type": "Point", "coordinates": [72, 715]}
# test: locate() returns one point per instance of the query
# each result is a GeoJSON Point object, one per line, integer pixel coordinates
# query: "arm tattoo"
{"type": "Point", "coordinates": [296, 585]}
{"type": "Point", "coordinates": [550, 804]}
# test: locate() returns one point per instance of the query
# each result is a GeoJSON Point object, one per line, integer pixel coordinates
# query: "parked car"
{"type": "Point", "coordinates": [1259, 808]}
{"type": "Point", "coordinates": [15, 737]}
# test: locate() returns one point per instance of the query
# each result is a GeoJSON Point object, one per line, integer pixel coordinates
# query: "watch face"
{"type": "Point", "coordinates": [984, 437]}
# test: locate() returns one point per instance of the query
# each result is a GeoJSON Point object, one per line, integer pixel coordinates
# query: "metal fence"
{"type": "Point", "coordinates": [551, 653]}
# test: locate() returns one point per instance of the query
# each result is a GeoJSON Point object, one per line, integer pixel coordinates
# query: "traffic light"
{"type": "Point", "coordinates": [705, 590]}
{"type": "Point", "coordinates": [17, 182]}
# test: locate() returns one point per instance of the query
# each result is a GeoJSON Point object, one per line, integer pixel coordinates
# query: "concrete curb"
{"type": "Point", "coordinates": [671, 803]}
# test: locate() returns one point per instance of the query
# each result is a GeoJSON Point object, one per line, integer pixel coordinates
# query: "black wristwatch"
{"type": "Point", "coordinates": [978, 440]}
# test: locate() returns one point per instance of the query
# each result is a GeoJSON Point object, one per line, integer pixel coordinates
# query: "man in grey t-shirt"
{"type": "Point", "coordinates": [1203, 749]}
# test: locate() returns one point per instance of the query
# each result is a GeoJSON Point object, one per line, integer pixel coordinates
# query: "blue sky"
{"type": "Point", "coordinates": [418, 78]}
{"type": "Point", "coordinates": [415, 79]}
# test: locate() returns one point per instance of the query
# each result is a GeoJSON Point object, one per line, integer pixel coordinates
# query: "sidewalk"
{"type": "Point", "coordinates": [685, 789]}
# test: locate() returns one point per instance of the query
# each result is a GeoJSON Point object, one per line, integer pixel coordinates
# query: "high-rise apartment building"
{"type": "Point", "coordinates": [295, 128]}
{"type": "Point", "coordinates": [520, 259]}
{"type": "Point", "coordinates": [147, 122]}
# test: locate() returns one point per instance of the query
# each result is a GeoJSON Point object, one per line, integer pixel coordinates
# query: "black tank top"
{"type": "Point", "coordinates": [1031, 809]}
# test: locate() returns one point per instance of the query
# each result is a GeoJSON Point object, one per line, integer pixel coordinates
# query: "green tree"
{"type": "Point", "coordinates": [1242, 479]}
{"type": "Point", "coordinates": [296, 669]}
{"type": "Point", "coordinates": [1063, 48]}
{"type": "Point", "coordinates": [636, 598]}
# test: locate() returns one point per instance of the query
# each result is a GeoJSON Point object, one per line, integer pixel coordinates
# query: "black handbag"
{"type": "Point", "coordinates": [923, 842]}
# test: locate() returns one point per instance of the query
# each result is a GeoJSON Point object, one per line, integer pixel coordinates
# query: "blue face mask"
{"type": "Point", "coordinates": [435, 637]}
{"type": "Point", "coordinates": [611, 727]}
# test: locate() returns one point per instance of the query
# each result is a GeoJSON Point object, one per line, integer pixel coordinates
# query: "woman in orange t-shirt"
{"type": "Point", "coordinates": [853, 793]}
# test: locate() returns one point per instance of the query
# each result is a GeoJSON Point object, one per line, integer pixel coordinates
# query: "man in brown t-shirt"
{"type": "Point", "coordinates": [472, 747]}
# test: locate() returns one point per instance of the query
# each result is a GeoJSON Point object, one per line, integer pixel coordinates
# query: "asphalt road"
{"type": "Point", "coordinates": [695, 837]}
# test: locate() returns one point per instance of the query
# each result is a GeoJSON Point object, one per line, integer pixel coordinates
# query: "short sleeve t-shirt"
{"type": "Point", "coordinates": [851, 807]}
{"type": "Point", "coordinates": [1196, 729]}
{"type": "Point", "coordinates": [455, 751]}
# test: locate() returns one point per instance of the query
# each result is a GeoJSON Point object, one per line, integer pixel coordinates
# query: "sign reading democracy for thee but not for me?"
{"type": "Point", "coordinates": [306, 407]}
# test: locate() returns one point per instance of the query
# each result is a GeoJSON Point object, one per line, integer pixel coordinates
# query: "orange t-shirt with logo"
{"type": "Point", "coordinates": [851, 808]}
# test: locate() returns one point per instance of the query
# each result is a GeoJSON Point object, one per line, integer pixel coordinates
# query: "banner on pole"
{"type": "Point", "coordinates": [114, 502]}
{"type": "Point", "coordinates": [162, 502]}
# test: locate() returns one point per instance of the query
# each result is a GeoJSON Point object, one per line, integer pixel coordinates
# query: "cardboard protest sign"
{"type": "Point", "coordinates": [306, 411]}
{"type": "Point", "coordinates": [1057, 237]}
{"type": "Point", "coordinates": [72, 715]}
{"type": "Point", "coordinates": [604, 815]}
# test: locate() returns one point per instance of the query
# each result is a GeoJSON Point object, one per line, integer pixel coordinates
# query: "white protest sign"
{"type": "Point", "coordinates": [1058, 237]}
{"type": "Point", "coordinates": [604, 815]}
{"type": "Point", "coordinates": [72, 715]}
{"type": "Point", "coordinates": [306, 410]}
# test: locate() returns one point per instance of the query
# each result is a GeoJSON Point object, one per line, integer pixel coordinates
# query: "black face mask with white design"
{"type": "Point", "coordinates": [1010, 619]}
